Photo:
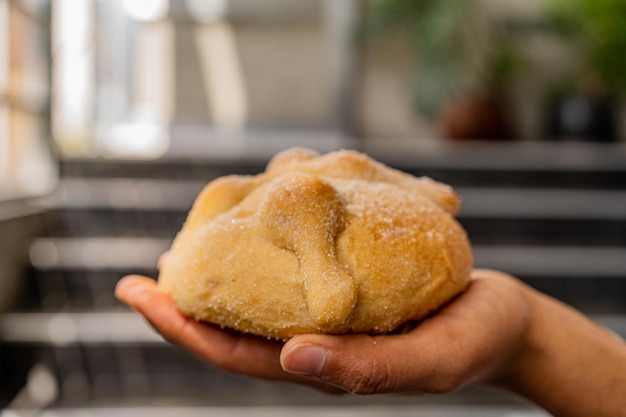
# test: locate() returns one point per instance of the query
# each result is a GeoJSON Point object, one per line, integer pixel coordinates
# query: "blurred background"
{"type": "Point", "coordinates": [115, 113]}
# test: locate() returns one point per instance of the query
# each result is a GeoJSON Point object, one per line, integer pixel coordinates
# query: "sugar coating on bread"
{"type": "Point", "coordinates": [335, 243]}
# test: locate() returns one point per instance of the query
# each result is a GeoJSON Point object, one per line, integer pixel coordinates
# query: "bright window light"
{"type": "Point", "coordinates": [224, 80]}
{"type": "Point", "coordinates": [146, 10]}
{"type": "Point", "coordinates": [208, 11]}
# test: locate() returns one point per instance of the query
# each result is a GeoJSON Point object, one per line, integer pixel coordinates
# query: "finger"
{"type": "Point", "coordinates": [132, 286]}
{"type": "Point", "coordinates": [458, 346]}
{"type": "Point", "coordinates": [228, 350]}
{"type": "Point", "coordinates": [162, 259]}
{"type": "Point", "coordinates": [366, 365]}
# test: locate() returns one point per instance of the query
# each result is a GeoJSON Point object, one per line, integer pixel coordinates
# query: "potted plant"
{"type": "Point", "coordinates": [463, 61]}
{"type": "Point", "coordinates": [585, 104]}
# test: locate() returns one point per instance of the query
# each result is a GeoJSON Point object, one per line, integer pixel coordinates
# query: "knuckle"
{"type": "Point", "coordinates": [369, 379]}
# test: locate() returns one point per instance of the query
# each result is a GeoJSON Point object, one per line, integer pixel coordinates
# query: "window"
{"type": "Point", "coordinates": [27, 166]}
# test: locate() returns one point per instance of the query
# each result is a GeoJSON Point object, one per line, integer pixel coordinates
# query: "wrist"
{"type": "Point", "coordinates": [566, 363]}
{"type": "Point", "coordinates": [526, 347]}
{"type": "Point", "coordinates": [530, 354]}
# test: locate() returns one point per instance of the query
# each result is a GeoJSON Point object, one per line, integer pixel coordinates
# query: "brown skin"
{"type": "Point", "coordinates": [499, 332]}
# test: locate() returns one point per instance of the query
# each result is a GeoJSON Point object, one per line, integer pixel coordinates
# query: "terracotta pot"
{"type": "Point", "coordinates": [476, 117]}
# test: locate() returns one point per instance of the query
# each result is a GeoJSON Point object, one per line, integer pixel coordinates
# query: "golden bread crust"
{"type": "Point", "coordinates": [337, 243]}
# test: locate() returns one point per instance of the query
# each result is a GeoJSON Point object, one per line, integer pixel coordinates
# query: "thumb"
{"type": "Point", "coordinates": [364, 364]}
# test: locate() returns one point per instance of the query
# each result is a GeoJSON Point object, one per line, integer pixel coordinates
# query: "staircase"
{"type": "Point", "coordinates": [559, 225]}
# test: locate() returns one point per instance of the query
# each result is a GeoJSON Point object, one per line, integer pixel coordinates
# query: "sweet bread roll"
{"type": "Point", "coordinates": [337, 243]}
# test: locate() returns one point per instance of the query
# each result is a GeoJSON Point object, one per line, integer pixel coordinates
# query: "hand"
{"type": "Point", "coordinates": [474, 339]}
{"type": "Point", "coordinates": [499, 332]}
